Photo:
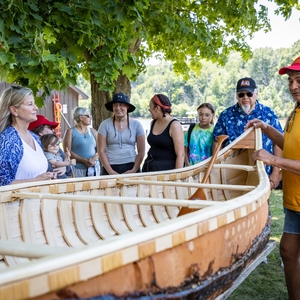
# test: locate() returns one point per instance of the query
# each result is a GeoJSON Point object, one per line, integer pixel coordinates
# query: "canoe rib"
{"type": "Point", "coordinates": [6, 235]}
{"type": "Point", "coordinates": [99, 218]}
{"type": "Point", "coordinates": [67, 224]}
{"type": "Point", "coordinates": [128, 212]}
{"type": "Point", "coordinates": [50, 222]}
{"type": "Point", "coordinates": [114, 213]}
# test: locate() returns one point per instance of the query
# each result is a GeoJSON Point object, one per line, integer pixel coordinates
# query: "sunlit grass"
{"type": "Point", "coordinates": [267, 281]}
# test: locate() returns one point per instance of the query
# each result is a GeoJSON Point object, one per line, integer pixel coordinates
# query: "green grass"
{"type": "Point", "coordinates": [267, 280]}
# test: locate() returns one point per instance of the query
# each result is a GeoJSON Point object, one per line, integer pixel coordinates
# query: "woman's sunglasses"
{"type": "Point", "coordinates": [241, 95]}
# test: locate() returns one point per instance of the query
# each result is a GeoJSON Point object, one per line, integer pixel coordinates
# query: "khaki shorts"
{"type": "Point", "coordinates": [80, 172]}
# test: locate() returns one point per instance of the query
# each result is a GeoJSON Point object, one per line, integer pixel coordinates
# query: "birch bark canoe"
{"type": "Point", "coordinates": [120, 237]}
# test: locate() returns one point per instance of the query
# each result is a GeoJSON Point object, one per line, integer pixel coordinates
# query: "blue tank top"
{"type": "Point", "coordinates": [83, 145]}
{"type": "Point", "coordinates": [161, 145]}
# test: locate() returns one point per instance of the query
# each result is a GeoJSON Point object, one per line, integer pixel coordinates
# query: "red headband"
{"type": "Point", "coordinates": [157, 101]}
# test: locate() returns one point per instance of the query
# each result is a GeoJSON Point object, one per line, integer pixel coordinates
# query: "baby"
{"type": "Point", "coordinates": [50, 143]}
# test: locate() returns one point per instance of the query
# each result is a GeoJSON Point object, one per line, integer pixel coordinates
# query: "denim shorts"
{"type": "Point", "coordinates": [292, 222]}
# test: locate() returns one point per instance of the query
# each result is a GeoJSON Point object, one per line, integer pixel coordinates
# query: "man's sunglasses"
{"type": "Point", "coordinates": [241, 95]}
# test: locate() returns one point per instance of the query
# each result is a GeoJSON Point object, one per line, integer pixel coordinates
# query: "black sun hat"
{"type": "Point", "coordinates": [120, 98]}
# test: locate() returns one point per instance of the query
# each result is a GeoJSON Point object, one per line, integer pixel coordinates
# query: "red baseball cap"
{"type": "Point", "coordinates": [41, 120]}
{"type": "Point", "coordinates": [295, 66]}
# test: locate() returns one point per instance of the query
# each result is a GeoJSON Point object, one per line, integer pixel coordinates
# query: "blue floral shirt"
{"type": "Point", "coordinates": [233, 120]}
{"type": "Point", "coordinates": [11, 153]}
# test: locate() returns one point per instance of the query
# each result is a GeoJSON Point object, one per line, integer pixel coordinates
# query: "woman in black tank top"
{"type": "Point", "coordinates": [165, 138]}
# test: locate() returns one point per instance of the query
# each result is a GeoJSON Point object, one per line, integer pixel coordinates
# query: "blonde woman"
{"type": "Point", "coordinates": [21, 156]}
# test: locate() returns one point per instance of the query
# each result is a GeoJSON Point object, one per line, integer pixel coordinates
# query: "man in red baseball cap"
{"type": "Point", "coordinates": [289, 163]}
{"type": "Point", "coordinates": [44, 126]}
{"type": "Point", "coordinates": [295, 66]}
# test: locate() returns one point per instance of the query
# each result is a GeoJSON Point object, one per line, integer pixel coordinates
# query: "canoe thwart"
{"type": "Point", "coordinates": [29, 250]}
{"type": "Point", "coordinates": [118, 200]}
{"type": "Point", "coordinates": [236, 167]}
{"type": "Point", "coordinates": [188, 184]}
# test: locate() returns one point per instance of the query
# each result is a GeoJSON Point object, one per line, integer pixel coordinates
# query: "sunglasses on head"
{"type": "Point", "coordinates": [241, 95]}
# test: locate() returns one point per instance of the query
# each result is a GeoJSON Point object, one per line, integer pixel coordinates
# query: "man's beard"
{"type": "Point", "coordinates": [246, 108]}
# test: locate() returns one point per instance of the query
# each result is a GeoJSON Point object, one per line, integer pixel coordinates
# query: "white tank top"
{"type": "Point", "coordinates": [33, 162]}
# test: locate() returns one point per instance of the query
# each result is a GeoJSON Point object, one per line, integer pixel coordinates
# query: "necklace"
{"type": "Point", "coordinates": [82, 132]}
{"type": "Point", "coordinates": [121, 125]}
{"type": "Point", "coordinates": [120, 122]}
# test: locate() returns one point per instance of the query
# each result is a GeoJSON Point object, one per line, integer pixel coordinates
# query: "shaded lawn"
{"type": "Point", "coordinates": [267, 281]}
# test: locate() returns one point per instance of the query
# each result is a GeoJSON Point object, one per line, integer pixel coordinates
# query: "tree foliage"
{"type": "Point", "coordinates": [217, 84]}
{"type": "Point", "coordinates": [47, 44]}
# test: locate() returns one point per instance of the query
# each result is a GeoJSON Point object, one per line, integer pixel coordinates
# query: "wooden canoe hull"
{"type": "Point", "coordinates": [137, 254]}
{"type": "Point", "coordinates": [193, 268]}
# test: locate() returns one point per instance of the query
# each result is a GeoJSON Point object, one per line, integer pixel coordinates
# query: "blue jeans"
{"type": "Point", "coordinates": [292, 222]}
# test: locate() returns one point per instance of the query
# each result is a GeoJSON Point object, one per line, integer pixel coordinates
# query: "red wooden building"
{"type": "Point", "coordinates": [59, 106]}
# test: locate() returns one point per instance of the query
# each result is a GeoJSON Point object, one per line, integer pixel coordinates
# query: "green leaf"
{"type": "Point", "coordinates": [129, 71]}
{"type": "Point", "coordinates": [49, 36]}
{"type": "Point", "coordinates": [7, 59]}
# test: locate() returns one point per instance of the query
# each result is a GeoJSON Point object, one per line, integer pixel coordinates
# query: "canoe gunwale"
{"type": "Point", "coordinates": [112, 179]}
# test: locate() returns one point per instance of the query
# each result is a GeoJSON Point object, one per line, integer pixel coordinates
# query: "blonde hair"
{"type": "Point", "coordinates": [13, 96]}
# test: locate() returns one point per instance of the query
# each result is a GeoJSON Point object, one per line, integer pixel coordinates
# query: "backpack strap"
{"type": "Point", "coordinates": [189, 135]}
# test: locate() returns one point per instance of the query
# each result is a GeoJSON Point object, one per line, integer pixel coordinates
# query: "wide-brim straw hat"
{"type": "Point", "coordinates": [120, 98]}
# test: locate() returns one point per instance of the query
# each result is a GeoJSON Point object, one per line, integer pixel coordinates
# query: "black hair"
{"type": "Point", "coordinates": [39, 129]}
{"type": "Point", "coordinates": [164, 101]}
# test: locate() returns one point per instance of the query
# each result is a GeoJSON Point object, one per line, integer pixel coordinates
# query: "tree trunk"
{"type": "Point", "coordinates": [100, 97]}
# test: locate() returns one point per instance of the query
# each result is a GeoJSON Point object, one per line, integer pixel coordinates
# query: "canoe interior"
{"type": "Point", "coordinates": [67, 224]}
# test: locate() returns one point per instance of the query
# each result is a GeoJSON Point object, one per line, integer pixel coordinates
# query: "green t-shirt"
{"type": "Point", "coordinates": [200, 144]}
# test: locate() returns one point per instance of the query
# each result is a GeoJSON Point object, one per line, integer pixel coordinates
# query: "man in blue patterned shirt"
{"type": "Point", "coordinates": [234, 118]}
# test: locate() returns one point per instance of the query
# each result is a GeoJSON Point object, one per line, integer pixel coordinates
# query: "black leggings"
{"type": "Point", "coordinates": [120, 168]}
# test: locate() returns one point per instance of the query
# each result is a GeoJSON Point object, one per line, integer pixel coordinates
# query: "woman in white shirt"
{"type": "Point", "coordinates": [21, 155]}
